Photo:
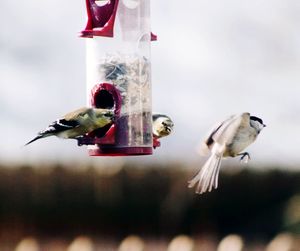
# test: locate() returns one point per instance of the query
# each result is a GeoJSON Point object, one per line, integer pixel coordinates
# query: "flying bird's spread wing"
{"type": "Point", "coordinates": [213, 134]}
{"type": "Point", "coordinates": [226, 131]}
{"type": "Point", "coordinates": [223, 131]}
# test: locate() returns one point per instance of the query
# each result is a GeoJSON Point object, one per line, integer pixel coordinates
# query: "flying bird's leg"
{"type": "Point", "coordinates": [245, 157]}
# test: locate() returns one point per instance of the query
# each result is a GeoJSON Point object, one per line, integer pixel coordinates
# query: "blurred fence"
{"type": "Point", "coordinates": [233, 242]}
{"type": "Point", "coordinates": [57, 203]}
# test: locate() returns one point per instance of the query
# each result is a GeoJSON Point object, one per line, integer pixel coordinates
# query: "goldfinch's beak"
{"type": "Point", "coordinates": [168, 129]}
{"type": "Point", "coordinates": [110, 115]}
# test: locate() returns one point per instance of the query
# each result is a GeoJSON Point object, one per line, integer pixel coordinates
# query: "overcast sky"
{"type": "Point", "coordinates": [212, 59]}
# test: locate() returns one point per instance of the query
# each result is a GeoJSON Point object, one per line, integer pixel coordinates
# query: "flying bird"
{"type": "Point", "coordinates": [227, 139]}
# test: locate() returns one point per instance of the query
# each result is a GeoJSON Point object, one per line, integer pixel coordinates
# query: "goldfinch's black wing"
{"type": "Point", "coordinates": [69, 121]}
{"type": "Point", "coordinates": [57, 126]}
{"type": "Point", "coordinates": [60, 125]}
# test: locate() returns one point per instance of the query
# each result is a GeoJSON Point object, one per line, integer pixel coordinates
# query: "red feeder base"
{"type": "Point", "coordinates": [120, 151]}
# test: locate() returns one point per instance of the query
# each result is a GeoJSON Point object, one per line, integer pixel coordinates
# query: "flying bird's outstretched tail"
{"type": "Point", "coordinates": [207, 177]}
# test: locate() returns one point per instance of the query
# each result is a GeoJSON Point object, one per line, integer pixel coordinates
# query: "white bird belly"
{"type": "Point", "coordinates": [242, 140]}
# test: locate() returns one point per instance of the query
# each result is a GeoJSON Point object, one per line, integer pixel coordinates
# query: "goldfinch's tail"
{"type": "Point", "coordinates": [36, 138]}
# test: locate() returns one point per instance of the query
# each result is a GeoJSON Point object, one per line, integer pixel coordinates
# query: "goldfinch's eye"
{"type": "Point", "coordinates": [109, 114]}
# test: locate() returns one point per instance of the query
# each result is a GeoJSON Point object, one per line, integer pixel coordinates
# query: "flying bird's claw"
{"type": "Point", "coordinates": [245, 158]}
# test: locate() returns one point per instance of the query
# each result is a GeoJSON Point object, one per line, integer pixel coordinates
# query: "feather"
{"type": "Point", "coordinates": [207, 177]}
{"type": "Point", "coordinates": [60, 125]}
{"type": "Point", "coordinates": [208, 143]}
{"type": "Point", "coordinates": [36, 138]}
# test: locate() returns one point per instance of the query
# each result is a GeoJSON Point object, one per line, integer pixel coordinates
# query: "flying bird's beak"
{"type": "Point", "coordinates": [264, 125]}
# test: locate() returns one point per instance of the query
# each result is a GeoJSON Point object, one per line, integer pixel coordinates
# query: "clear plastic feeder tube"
{"type": "Point", "coordinates": [123, 61]}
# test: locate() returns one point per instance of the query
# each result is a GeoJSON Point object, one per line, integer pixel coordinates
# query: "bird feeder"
{"type": "Point", "coordinates": [119, 75]}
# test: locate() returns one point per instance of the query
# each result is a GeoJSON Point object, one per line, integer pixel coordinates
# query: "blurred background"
{"type": "Point", "coordinates": [212, 59]}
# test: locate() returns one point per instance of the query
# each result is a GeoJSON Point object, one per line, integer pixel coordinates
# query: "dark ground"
{"type": "Point", "coordinates": [62, 202]}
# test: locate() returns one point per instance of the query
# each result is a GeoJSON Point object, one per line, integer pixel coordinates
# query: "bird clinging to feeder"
{"type": "Point", "coordinates": [77, 123]}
